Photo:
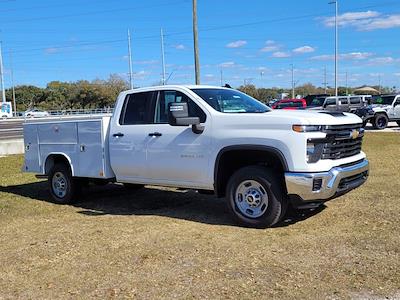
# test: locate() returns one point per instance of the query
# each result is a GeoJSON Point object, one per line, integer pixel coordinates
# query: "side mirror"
{"type": "Point", "coordinates": [178, 115]}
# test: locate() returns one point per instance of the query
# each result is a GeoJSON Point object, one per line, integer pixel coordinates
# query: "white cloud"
{"type": "Point", "coordinates": [389, 21]}
{"type": "Point", "coordinates": [143, 62]}
{"type": "Point", "coordinates": [227, 64]}
{"type": "Point", "coordinates": [356, 55]}
{"type": "Point", "coordinates": [375, 74]}
{"type": "Point", "coordinates": [236, 44]}
{"type": "Point", "coordinates": [396, 74]}
{"type": "Point", "coordinates": [382, 60]}
{"type": "Point", "coordinates": [351, 18]}
{"type": "Point", "coordinates": [180, 47]}
{"type": "Point", "coordinates": [304, 49]}
{"type": "Point", "coordinates": [51, 50]}
{"type": "Point", "coordinates": [344, 56]}
{"type": "Point", "coordinates": [209, 76]}
{"type": "Point", "coordinates": [270, 46]}
{"type": "Point", "coordinates": [141, 75]}
{"type": "Point", "coordinates": [281, 54]}
{"type": "Point", "coordinates": [262, 69]}
{"type": "Point", "coordinates": [365, 21]}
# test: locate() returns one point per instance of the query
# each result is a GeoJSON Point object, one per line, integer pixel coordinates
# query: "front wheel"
{"type": "Point", "coordinates": [255, 197]}
{"type": "Point", "coordinates": [381, 121]}
{"type": "Point", "coordinates": [63, 187]}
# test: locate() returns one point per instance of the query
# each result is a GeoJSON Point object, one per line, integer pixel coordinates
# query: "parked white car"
{"type": "Point", "coordinates": [206, 138]}
{"type": "Point", "coordinates": [36, 113]}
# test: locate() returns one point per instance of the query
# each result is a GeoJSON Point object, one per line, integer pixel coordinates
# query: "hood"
{"type": "Point", "coordinates": [380, 107]}
{"type": "Point", "coordinates": [314, 117]}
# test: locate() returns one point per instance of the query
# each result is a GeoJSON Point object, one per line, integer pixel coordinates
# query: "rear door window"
{"type": "Point", "coordinates": [136, 109]}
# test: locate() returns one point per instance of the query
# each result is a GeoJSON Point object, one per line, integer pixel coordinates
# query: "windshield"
{"type": "Point", "coordinates": [231, 101]}
{"type": "Point", "coordinates": [387, 100]}
{"type": "Point", "coordinates": [319, 101]}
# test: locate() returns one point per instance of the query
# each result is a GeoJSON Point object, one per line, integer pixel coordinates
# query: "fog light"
{"type": "Point", "coordinates": [317, 184]}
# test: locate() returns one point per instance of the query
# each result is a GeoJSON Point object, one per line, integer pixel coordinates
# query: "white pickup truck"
{"type": "Point", "coordinates": [206, 138]}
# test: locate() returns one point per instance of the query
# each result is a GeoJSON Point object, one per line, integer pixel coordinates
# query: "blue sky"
{"type": "Point", "coordinates": [252, 41]}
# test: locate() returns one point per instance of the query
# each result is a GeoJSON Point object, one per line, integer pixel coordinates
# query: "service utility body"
{"type": "Point", "coordinates": [211, 139]}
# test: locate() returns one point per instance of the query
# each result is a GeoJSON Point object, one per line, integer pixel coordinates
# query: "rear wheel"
{"type": "Point", "coordinates": [63, 187]}
{"type": "Point", "coordinates": [380, 121]}
{"type": "Point", "coordinates": [255, 197]}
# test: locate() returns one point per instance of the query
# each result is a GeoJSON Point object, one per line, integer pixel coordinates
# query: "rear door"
{"type": "Point", "coordinates": [129, 137]}
{"type": "Point", "coordinates": [175, 153]}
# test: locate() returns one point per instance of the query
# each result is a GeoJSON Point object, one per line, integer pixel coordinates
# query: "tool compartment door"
{"type": "Point", "coordinates": [32, 157]}
{"type": "Point", "coordinates": [90, 149]}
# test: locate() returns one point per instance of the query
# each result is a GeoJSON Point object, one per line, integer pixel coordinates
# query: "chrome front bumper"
{"type": "Point", "coordinates": [326, 185]}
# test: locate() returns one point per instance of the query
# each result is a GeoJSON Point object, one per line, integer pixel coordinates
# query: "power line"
{"type": "Point", "coordinates": [90, 13]}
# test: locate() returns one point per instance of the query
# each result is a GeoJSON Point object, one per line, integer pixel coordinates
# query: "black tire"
{"type": "Point", "coordinates": [380, 121]}
{"type": "Point", "coordinates": [133, 187]}
{"type": "Point", "coordinates": [267, 184]}
{"type": "Point", "coordinates": [59, 175]}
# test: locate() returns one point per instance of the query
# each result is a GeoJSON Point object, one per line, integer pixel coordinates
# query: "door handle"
{"type": "Point", "coordinates": [155, 134]}
{"type": "Point", "coordinates": [119, 134]}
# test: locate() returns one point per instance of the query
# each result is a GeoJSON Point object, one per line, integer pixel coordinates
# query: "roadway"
{"type": "Point", "coordinates": [11, 129]}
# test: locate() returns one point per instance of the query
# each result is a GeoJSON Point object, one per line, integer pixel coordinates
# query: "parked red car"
{"type": "Point", "coordinates": [290, 104]}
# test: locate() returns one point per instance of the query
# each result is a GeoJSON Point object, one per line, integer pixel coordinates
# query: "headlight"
{"type": "Point", "coordinates": [314, 151]}
{"type": "Point", "coordinates": [308, 128]}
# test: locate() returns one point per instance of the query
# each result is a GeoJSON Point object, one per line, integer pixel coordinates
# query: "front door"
{"type": "Point", "coordinates": [176, 153]}
{"type": "Point", "coordinates": [129, 138]}
{"type": "Point", "coordinates": [396, 108]}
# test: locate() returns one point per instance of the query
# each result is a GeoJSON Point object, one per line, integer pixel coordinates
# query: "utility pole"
{"type": "Point", "coordinates": [325, 83]}
{"type": "Point", "coordinates": [12, 85]}
{"type": "Point", "coordinates": [336, 45]}
{"type": "Point", "coordinates": [130, 60]}
{"type": "Point", "coordinates": [379, 84]}
{"type": "Point", "coordinates": [2, 73]}
{"type": "Point", "coordinates": [196, 43]}
{"type": "Point", "coordinates": [292, 80]}
{"type": "Point", "coordinates": [162, 57]}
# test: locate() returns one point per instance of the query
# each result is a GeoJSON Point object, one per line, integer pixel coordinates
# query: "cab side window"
{"type": "Point", "coordinates": [136, 109]}
{"type": "Point", "coordinates": [355, 100]}
{"type": "Point", "coordinates": [166, 97]}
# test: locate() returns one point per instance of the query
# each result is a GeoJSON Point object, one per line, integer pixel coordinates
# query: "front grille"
{"type": "Point", "coordinates": [342, 141]}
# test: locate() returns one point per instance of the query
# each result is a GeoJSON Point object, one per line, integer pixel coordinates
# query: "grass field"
{"type": "Point", "coordinates": [166, 243]}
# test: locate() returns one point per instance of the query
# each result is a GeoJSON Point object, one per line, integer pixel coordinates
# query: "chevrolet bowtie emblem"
{"type": "Point", "coordinates": [354, 134]}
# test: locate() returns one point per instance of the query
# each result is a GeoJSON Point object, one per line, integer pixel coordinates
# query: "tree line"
{"type": "Point", "coordinates": [83, 94]}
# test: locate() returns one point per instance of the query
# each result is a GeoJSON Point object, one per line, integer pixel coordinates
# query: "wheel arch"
{"type": "Point", "coordinates": [221, 177]}
{"type": "Point", "coordinates": [54, 158]}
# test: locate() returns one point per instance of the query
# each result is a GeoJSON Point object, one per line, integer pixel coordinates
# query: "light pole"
{"type": "Point", "coordinates": [292, 81]}
{"type": "Point", "coordinates": [196, 43]}
{"type": "Point", "coordinates": [336, 45]}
